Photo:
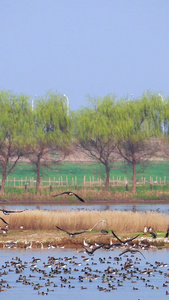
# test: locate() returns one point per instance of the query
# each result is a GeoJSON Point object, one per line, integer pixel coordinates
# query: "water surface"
{"type": "Point", "coordinates": [162, 208]}
{"type": "Point", "coordinates": [71, 265]}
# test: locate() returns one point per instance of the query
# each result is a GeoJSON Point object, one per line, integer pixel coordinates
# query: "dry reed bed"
{"type": "Point", "coordinates": [80, 220]}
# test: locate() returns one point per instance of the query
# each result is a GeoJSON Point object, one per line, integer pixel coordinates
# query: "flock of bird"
{"type": "Point", "coordinates": [79, 272]}
{"type": "Point", "coordinates": [59, 272]}
{"type": "Point", "coordinates": [7, 212]}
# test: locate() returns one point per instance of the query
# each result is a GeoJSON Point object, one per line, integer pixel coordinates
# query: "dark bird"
{"type": "Point", "coordinates": [90, 252]}
{"type": "Point", "coordinates": [167, 233]}
{"type": "Point", "coordinates": [154, 235]}
{"type": "Point", "coordinates": [70, 233]}
{"type": "Point", "coordinates": [126, 241]}
{"type": "Point", "coordinates": [132, 251]}
{"type": "Point", "coordinates": [107, 247]}
{"type": "Point", "coordinates": [3, 220]}
{"type": "Point", "coordinates": [7, 212]}
{"type": "Point", "coordinates": [104, 231]}
{"type": "Point", "coordinates": [4, 230]}
{"type": "Point", "coordinates": [70, 194]}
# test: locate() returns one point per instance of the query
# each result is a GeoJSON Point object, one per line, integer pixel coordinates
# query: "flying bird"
{"type": "Point", "coordinates": [3, 220]}
{"type": "Point", "coordinates": [7, 212]}
{"type": "Point", "coordinates": [132, 251]}
{"type": "Point", "coordinates": [70, 194]}
{"type": "Point", "coordinates": [90, 252]}
{"type": "Point", "coordinates": [70, 233]}
{"type": "Point", "coordinates": [126, 241]}
{"type": "Point", "coordinates": [154, 235]}
{"type": "Point", "coordinates": [167, 233]}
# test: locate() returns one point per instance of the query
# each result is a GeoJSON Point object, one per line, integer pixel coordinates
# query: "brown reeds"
{"type": "Point", "coordinates": [127, 222]}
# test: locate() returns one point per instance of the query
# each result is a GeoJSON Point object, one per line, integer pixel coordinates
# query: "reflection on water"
{"type": "Point", "coordinates": [67, 274]}
{"type": "Point", "coordinates": [162, 208]}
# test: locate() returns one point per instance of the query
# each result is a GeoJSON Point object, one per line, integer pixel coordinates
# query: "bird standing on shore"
{"type": "Point", "coordinates": [69, 194]}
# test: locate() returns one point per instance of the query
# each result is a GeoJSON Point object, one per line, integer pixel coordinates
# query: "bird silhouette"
{"type": "Point", "coordinates": [70, 233]}
{"type": "Point", "coordinates": [167, 233]}
{"type": "Point", "coordinates": [126, 241]}
{"type": "Point", "coordinates": [3, 220]}
{"type": "Point", "coordinates": [69, 194]}
{"type": "Point", "coordinates": [90, 252]}
{"type": "Point", "coordinates": [154, 235]}
{"type": "Point", "coordinates": [133, 251]}
{"type": "Point", "coordinates": [7, 212]}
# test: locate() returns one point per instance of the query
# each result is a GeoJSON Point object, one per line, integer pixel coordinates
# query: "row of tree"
{"type": "Point", "coordinates": [106, 130]}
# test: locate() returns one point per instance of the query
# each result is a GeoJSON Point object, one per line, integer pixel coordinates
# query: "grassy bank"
{"type": "Point", "coordinates": [91, 195]}
{"type": "Point", "coordinates": [39, 227]}
{"type": "Point", "coordinates": [157, 171]}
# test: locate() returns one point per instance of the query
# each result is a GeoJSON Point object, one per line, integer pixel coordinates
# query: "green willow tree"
{"type": "Point", "coordinates": [15, 119]}
{"type": "Point", "coordinates": [138, 127]}
{"type": "Point", "coordinates": [95, 127]}
{"type": "Point", "coordinates": [50, 134]}
{"type": "Point", "coordinates": [164, 140]}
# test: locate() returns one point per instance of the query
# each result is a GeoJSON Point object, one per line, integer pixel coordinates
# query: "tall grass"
{"type": "Point", "coordinates": [127, 222]}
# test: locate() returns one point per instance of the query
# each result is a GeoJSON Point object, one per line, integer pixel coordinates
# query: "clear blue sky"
{"type": "Point", "coordinates": [84, 47]}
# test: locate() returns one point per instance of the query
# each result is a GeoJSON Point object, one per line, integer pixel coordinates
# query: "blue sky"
{"type": "Point", "coordinates": [84, 47]}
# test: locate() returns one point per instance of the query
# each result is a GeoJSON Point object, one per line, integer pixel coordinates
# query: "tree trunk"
{"type": "Point", "coordinates": [134, 179]}
{"type": "Point", "coordinates": [3, 184]}
{"type": "Point", "coordinates": [38, 177]}
{"type": "Point", "coordinates": [107, 178]}
{"type": "Point", "coordinates": [4, 177]}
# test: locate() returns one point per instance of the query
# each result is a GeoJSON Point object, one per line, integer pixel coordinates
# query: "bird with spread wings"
{"type": "Point", "coordinates": [7, 212]}
{"type": "Point", "coordinates": [69, 194]}
{"type": "Point", "coordinates": [70, 233]}
{"type": "Point", "coordinates": [3, 220]}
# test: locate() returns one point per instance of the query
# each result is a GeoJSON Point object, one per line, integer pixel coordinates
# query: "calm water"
{"type": "Point", "coordinates": [162, 208]}
{"type": "Point", "coordinates": [71, 265]}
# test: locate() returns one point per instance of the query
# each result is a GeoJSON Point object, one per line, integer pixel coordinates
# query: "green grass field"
{"type": "Point", "coordinates": [72, 170]}
{"type": "Point", "coordinates": [72, 176]}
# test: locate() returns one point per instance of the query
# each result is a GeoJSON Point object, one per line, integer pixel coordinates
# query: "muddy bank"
{"type": "Point", "coordinates": [19, 201]}
{"type": "Point", "coordinates": [53, 239]}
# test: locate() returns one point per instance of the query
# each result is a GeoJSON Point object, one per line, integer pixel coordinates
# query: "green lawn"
{"type": "Point", "coordinates": [92, 171]}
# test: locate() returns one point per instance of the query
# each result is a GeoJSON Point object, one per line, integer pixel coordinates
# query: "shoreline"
{"type": "Point", "coordinates": [87, 202]}
{"type": "Point", "coordinates": [50, 239]}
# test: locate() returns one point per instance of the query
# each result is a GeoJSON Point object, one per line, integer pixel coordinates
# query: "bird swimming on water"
{"type": "Point", "coordinates": [69, 194]}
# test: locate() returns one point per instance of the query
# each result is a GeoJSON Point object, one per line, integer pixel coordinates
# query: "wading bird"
{"type": "Point", "coordinates": [70, 233]}
{"type": "Point", "coordinates": [7, 212]}
{"type": "Point", "coordinates": [70, 194]}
